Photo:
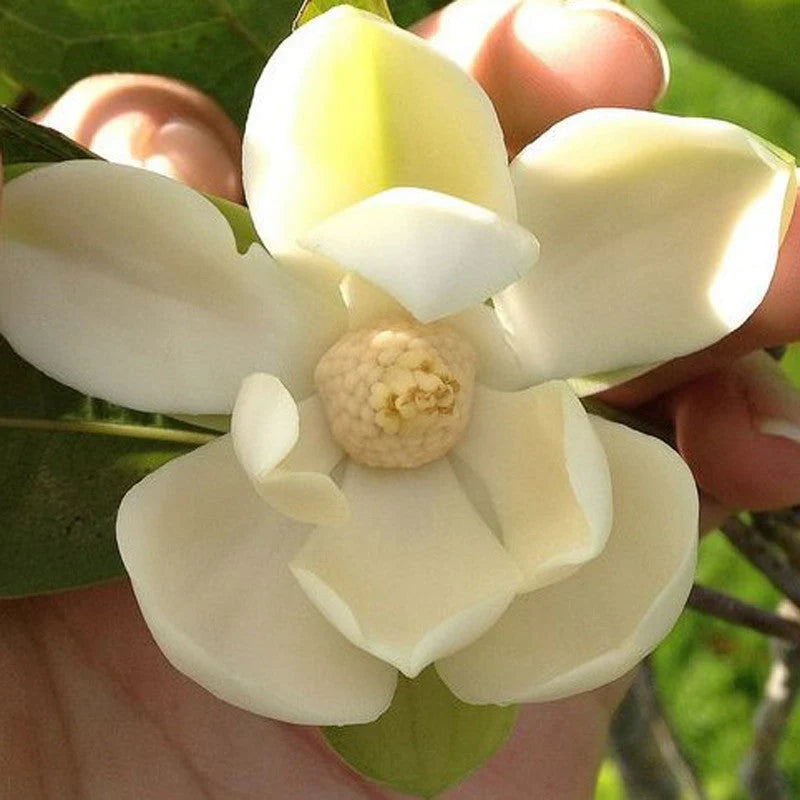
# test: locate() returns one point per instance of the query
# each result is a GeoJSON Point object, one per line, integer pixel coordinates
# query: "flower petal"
{"type": "Point", "coordinates": [367, 303]}
{"type": "Point", "coordinates": [287, 458]}
{"type": "Point", "coordinates": [128, 286]}
{"type": "Point", "coordinates": [265, 424]}
{"type": "Point", "coordinates": [209, 565]}
{"type": "Point", "coordinates": [659, 236]}
{"type": "Point", "coordinates": [349, 106]}
{"type": "Point", "coordinates": [415, 575]}
{"type": "Point", "coordinates": [544, 476]}
{"type": "Point", "coordinates": [598, 624]}
{"type": "Point", "coordinates": [498, 363]}
{"type": "Point", "coordinates": [587, 385]}
{"type": "Point", "coordinates": [435, 253]}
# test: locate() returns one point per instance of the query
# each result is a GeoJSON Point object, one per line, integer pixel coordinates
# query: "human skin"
{"type": "Point", "coordinates": [92, 710]}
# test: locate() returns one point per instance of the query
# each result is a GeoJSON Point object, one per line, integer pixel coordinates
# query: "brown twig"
{"type": "Point", "coordinates": [648, 754]}
{"type": "Point", "coordinates": [760, 774]}
{"type": "Point", "coordinates": [781, 529]}
{"type": "Point", "coordinates": [723, 606]}
{"type": "Point", "coordinates": [756, 548]}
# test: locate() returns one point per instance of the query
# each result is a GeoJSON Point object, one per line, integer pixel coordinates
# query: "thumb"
{"type": "Point", "coordinates": [153, 122]}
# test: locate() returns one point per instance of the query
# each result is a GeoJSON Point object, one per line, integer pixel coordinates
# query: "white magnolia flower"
{"type": "Point", "coordinates": [527, 549]}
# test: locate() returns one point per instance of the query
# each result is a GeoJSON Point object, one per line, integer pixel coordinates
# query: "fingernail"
{"type": "Point", "coordinates": [648, 36]}
{"type": "Point", "coordinates": [780, 427]}
{"type": "Point", "coordinates": [156, 123]}
{"type": "Point", "coordinates": [774, 402]}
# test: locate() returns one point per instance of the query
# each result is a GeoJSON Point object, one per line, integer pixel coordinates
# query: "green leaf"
{"type": "Point", "coordinates": [219, 46]}
{"type": "Point", "coordinates": [9, 90]}
{"type": "Point", "coordinates": [239, 219]}
{"type": "Point", "coordinates": [313, 8]}
{"type": "Point", "coordinates": [427, 740]}
{"type": "Point", "coordinates": [65, 462]}
{"type": "Point", "coordinates": [757, 38]}
{"type": "Point", "coordinates": [407, 12]}
{"type": "Point", "coordinates": [791, 364]}
{"type": "Point", "coordinates": [22, 141]}
{"type": "Point", "coordinates": [704, 86]}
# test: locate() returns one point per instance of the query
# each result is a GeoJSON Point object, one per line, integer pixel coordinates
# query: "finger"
{"type": "Point", "coordinates": [775, 321]}
{"type": "Point", "coordinates": [712, 514]}
{"type": "Point", "coordinates": [739, 431]}
{"type": "Point", "coordinates": [555, 750]}
{"type": "Point", "coordinates": [542, 60]}
{"type": "Point", "coordinates": [156, 123]}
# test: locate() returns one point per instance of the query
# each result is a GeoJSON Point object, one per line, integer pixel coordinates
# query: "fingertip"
{"type": "Point", "coordinates": [542, 60]}
{"type": "Point", "coordinates": [739, 431]}
{"type": "Point", "coordinates": [153, 122]}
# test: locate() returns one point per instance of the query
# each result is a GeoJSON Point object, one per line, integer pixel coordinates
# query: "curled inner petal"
{"type": "Point", "coordinates": [287, 452]}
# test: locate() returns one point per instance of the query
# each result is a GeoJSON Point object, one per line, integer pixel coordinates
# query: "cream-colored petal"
{"type": "Point", "coordinates": [536, 468]}
{"type": "Point", "coordinates": [285, 453]}
{"type": "Point", "coordinates": [499, 365]}
{"type": "Point", "coordinates": [265, 424]}
{"type": "Point", "coordinates": [434, 253]}
{"type": "Point", "coordinates": [128, 286]}
{"type": "Point", "coordinates": [659, 236]}
{"type": "Point", "coordinates": [209, 565]}
{"type": "Point", "coordinates": [349, 106]}
{"type": "Point", "coordinates": [598, 624]}
{"type": "Point", "coordinates": [587, 385]}
{"type": "Point", "coordinates": [415, 575]}
{"type": "Point", "coordinates": [367, 303]}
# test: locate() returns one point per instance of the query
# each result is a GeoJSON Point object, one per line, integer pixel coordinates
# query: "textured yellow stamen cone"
{"type": "Point", "coordinates": [397, 394]}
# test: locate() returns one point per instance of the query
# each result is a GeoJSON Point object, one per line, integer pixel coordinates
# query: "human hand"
{"type": "Point", "coordinates": [83, 663]}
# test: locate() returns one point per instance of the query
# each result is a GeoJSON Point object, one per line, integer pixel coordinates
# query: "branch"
{"type": "Point", "coordinates": [758, 551]}
{"type": "Point", "coordinates": [649, 757]}
{"type": "Point", "coordinates": [780, 527]}
{"type": "Point", "coordinates": [760, 773]}
{"type": "Point", "coordinates": [723, 606]}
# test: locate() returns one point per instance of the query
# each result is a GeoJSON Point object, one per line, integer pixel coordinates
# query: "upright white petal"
{"type": "Point", "coordinates": [287, 453]}
{"type": "Point", "coordinates": [435, 253]}
{"type": "Point", "coordinates": [415, 575]}
{"type": "Point", "coordinates": [536, 462]}
{"type": "Point", "coordinates": [209, 564]}
{"type": "Point", "coordinates": [349, 106]}
{"type": "Point", "coordinates": [128, 286]}
{"type": "Point", "coordinates": [659, 236]}
{"type": "Point", "coordinates": [598, 624]}
{"type": "Point", "coordinates": [367, 303]}
{"type": "Point", "coordinates": [499, 365]}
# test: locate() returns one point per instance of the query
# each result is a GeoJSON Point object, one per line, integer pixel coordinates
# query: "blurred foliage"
{"type": "Point", "coordinates": [313, 8]}
{"type": "Point", "coordinates": [609, 783]}
{"type": "Point", "coordinates": [9, 91]}
{"type": "Point", "coordinates": [219, 46]}
{"type": "Point", "coordinates": [705, 82]}
{"type": "Point", "coordinates": [711, 675]}
{"type": "Point", "coordinates": [60, 489]}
